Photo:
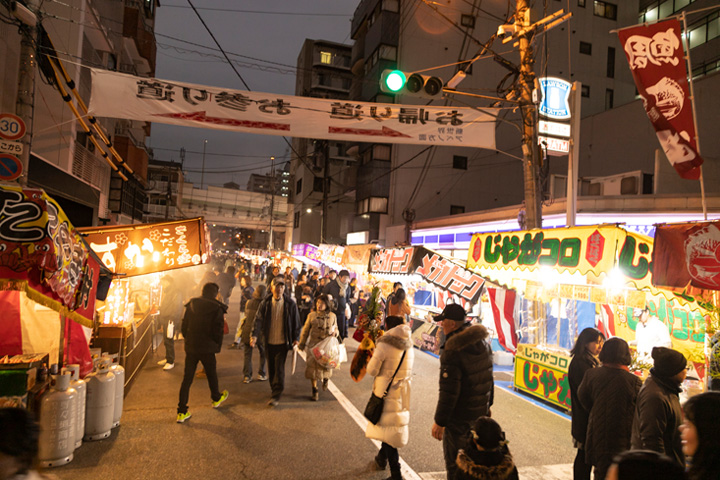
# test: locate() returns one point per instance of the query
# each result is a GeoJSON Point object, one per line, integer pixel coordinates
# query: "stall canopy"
{"type": "Point", "coordinates": [306, 253]}
{"type": "Point", "coordinates": [357, 257]}
{"type": "Point", "coordinates": [149, 248]}
{"type": "Point", "coordinates": [433, 268]}
{"type": "Point", "coordinates": [44, 256]}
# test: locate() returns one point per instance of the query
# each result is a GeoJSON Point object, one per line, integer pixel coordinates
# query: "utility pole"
{"type": "Point", "coordinates": [326, 192]}
{"type": "Point", "coordinates": [202, 174]}
{"type": "Point", "coordinates": [272, 200]}
{"type": "Point", "coordinates": [168, 197]}
{"type": "Point", "coordinates": [25, 102]}
{"type": "Point", "coordinates": [531, 163]}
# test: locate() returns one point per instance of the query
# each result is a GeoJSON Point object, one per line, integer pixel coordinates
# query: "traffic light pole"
{"type": "Point", "coordinates": [531, 157]}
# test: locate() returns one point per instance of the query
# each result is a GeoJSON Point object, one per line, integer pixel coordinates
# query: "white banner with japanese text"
{"type": "Point", "coordinates": [118, 95]}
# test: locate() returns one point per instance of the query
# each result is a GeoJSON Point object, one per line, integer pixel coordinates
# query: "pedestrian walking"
{"type": "Point", "coordinates": [226, 282]}
{"type": "Point", "coordinates": [609, 393]}
{"type": "Point", "coordinates": [246, 292]}
{"type": "Point", "coordinates": [289, 281]}
{"type": "Point", "coordinates": [466, 382]}
{"type": "Point", "coordinates": [584, 357]}
{"type": "Point", "coordinates": [398, 304]}
{"type": "Point", "coordinates": [701, 435]}
{"type": "Point", "coordinates": [247, 329]}
{"type": "Point", "coordinates": [395, 288]}
{"type": "Point", "coordinates": [20, 445]}
{"type": "Point", "coordinates": [202, 329]}
{"type": "Point", "coordinates": [486, 455]}
{"type": "Point", "coordinates": [352, 297]}
{"type": "Point", "coordinates": [321, 323]}
{"type": "Point", "coordinates": [170, 318]}
{"type": "Point", "coordinates": [658, 415]}
{"type": "Point", "coordinates": [273, 272]}
{"type": "Point", "coordinates": [278, 321]}
{"type": "Point", "coordinates": [393, 354]}
{"type": "Point", "coordinates": [644, 465]}
{"type": "Point", "coordinates": [337, 287]}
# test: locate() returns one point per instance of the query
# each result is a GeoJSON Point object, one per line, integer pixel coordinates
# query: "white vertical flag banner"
{"type": "Point", "coordinates": [118, 95]}
{"type": "Point", "coordinates": [503, 302]}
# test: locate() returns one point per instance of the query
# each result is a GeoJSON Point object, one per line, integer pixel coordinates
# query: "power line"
{"type": "Point", "coordinates": [261, 12]}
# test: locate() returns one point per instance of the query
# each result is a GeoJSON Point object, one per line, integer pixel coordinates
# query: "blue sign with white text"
{"type": "Point", "coordinates": [556, 94]}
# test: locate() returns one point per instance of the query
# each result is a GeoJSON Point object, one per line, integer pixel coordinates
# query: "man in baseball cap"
{"type": "Point", "coordinates": [466, 381]}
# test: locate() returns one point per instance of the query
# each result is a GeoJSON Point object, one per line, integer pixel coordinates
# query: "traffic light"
{"type": "Point", "coordinates": [397, 82]}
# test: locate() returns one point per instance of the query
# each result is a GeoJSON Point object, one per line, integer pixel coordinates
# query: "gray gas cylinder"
{"type": "Point", "coordinates": [58, 414]}
{"type": "Point", "coordinates": [100, 404]}
{"type": "Point", "coordinates": [119, 372]}
{"type": "Point", "coordinates": [81, 387]}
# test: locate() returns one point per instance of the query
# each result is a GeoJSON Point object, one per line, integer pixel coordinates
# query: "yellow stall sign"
{"type": "Point", "coordinates": [543, 374]}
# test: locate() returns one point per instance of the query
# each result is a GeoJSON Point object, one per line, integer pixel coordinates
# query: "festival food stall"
{"type": "Point", "coordinates": [49, 281]}
{"type": "Point", "coordinates": [139, 255]}
{"type": "Point", "coordinates": [563, 280]}
{"type": "Point", "coordinates": [430, 282]}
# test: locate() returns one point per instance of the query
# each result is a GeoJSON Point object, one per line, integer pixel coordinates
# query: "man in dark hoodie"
{"type": "Point", "coordinates": [202, 328]}
{"type": "Point", "coordinates": [466, 382]}
{"type": "Point", "coordinates": [657, 412]}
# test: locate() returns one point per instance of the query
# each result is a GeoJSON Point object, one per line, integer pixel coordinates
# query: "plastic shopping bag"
{"type": "Point", "coordinates": [342, 354]}
{"type": "Point", "coordinates": [326, 352]}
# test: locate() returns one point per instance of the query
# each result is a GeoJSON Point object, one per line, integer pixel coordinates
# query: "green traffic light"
{"type": "Point", "coordinates": [395, 81]}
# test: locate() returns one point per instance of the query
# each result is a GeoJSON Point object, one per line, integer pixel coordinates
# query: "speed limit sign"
{"type": "Point", "coordinates": [12, 127]}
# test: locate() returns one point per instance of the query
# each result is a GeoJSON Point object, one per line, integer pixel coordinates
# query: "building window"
{"type": "Point", "coordinates": [611, 62]}
{"type": "Point", "coordinates": [585, 91]}
{"type": "Point", "coordinates": [609, 94]}
{"type": "Point", "coordinates": [586, 48]}
{"type": "Point", "coordinates": [459, 162]}
{"type": "Point", "coordinates": [391, 5]}
{"type": "Point", "coordinates": [298, 187]}
{"type": "Point", "coordinates": [372, 205]}
{"type": "Point", "coordinates": [581, 3]}
{"type": "Point", "coordinates": [318, 184]}
{"type": "Point", "coordinates": [296, 220]}
{"type": "Point", "coordinates": [326, 57]}
{"type": "Point", "coordinates": [605, 10]}
{"type": "Point", "coordinates": [387, 52]}
{"type": "Point", "coordinates": [456, 209]}
{"type": "Point", "coordinates": [381, 152]}
{"type": "Point", "coordinates": [467, 21]}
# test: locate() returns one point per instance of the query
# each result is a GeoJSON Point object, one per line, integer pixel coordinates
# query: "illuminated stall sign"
{"type": "Point", "coordinates": [433, 268]}
{"type": "Point", "coordinates": [581, 249]}
{"type": "Point", "coordinates": [543, 374]}
{"type": "Point", "coordinates": [149, 248]}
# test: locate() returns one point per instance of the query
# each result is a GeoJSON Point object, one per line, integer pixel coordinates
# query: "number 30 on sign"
{"type": "Point", "coordinates": [12, 127]}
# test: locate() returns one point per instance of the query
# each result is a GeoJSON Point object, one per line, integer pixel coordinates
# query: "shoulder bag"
{"type": "Point", "coordinates": [374, 407]}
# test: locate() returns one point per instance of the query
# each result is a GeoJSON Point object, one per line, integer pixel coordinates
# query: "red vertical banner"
{"type": "Point", "coordinates": [656, 57]}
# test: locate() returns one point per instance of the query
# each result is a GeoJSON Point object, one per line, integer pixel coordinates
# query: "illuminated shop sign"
{"type": "Point", "coordinates": [555, 98]}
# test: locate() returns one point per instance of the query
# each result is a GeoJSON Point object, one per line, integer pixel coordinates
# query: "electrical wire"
{"type": "Point", "coordinates": [260, 12]}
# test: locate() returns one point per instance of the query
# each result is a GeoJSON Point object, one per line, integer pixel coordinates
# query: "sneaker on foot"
{"type": "Point", "coordinates": [273, 402]}
{"type": "Point", "coordinates": [162, 362]}
{"type": "Point", "coordinates": [221, 400]}
{"type": "Point", "coordinates": [380, 463]}
{"type": "Point", "coordinates": [247, 380]}
{"type": "Point", "coordinates": [315, 395]}
{"type": "Point", "coordinates": [181, 417]}
{"type": "Point", "coordinates": [262, 378]}
{"type": "Point", "coordinates": [325, 383]}
{"type": "Point", "coordinates": [168, 366]}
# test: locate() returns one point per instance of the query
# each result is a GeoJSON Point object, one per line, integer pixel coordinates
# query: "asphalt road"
{"type": "Point", "coordinates": [299, 439]}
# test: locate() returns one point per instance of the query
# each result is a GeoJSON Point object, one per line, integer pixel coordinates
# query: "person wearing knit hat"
{"type": "Point", "coordinates": [658, 415]}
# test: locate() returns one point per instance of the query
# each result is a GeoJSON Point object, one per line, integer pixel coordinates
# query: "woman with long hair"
{"type": "Point", "coordinates": [399, 306]}
{"type": "Point", "coordinates": [584, 357]}
{"type": "Point", "coordinates": [609, 394]}
{"type": "Point", "coordinates": [321, 323]}
{"type": "Point", "coordinates": [700, 432]}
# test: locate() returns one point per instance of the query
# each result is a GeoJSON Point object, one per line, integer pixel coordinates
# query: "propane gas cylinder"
{"type": "Point", "coordinates": [58, 413]}
{"type": "Point", "coordinates": [100, 403]}
{"type": "Point", "coordinates": [119, 373]}
{"type": "Point", "coordinates": [81, 388]}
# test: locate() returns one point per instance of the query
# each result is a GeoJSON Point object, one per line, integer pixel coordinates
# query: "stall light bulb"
{"type": "Point", "coordinates": [156, 257]}
{"type": "Point", "coordinates": [615, 280]}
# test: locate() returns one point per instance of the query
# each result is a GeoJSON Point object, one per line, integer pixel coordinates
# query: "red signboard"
{"type": "Point", "coordinates": [687, 255]}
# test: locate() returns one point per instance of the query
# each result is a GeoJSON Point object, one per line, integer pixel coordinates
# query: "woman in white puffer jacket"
{"type": "Point", "coordinates": [392, 428]}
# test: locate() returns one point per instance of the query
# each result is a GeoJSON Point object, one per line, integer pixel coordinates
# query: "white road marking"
{"type": "Point", "coordinates": [407, 472]}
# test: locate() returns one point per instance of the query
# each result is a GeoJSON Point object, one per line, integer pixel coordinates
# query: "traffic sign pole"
{"type": "Point", "coordinates": [26, 87]}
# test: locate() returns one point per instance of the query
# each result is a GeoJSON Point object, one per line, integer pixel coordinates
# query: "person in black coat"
{"type": "Point", "coordinates": [466, 382]}
{"type": "Point", "coordinates": [337, 287]}
{"type": "Point", "coordinates": [278, 320]}
{"type": "Point", "coordinates": [584, 357]}
{"type": "Point", "coordinates": [658, 415]}
{"type": "Point", "coordinates": [202, 328]}
{"type": "Point", "coordinates": [609, 393]}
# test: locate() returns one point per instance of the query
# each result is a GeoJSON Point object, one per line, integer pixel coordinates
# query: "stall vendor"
{"type": "Point", "coordinates": [650, 332]}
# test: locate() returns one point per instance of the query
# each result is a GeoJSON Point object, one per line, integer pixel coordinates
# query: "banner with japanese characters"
{"type": "Point", "coordinates": [149, 248]}
{"type": "Point", "coordinates": [656, 57]}
{"type": "Point", "coordinates": [687, 254]}
{"type": "Point", "coordinates": [595, 250]}
{"type": "Point", "coordinates": [433, 268]}
{"type": "Point", "coordinates": [119, 95]}
{"type": "Point", "coordinates": [543, 374]}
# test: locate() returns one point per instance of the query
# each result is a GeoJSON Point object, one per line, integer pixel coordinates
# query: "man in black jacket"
{"type": "Point", "coordinates": [278, 320]}
{"type": "Point", "coordinates": [202, 328]}
{"type": "Point", "coordinates": [337, 287]}
{"type": "Point", "coordinates": [657, 413]}
{"type": "Point", "coordinates": [466, 382]}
